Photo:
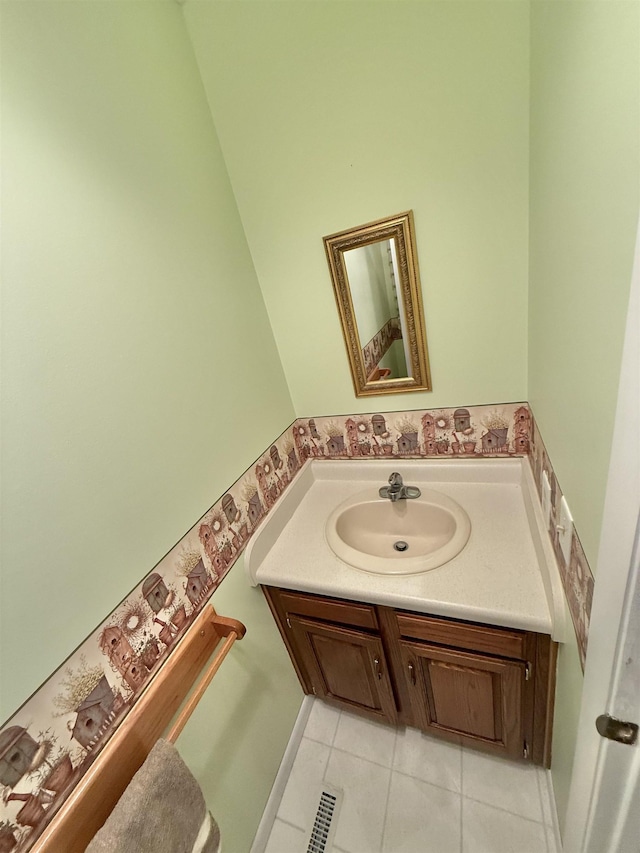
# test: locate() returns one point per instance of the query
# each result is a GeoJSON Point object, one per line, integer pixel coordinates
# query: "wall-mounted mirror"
{"type": "Point", "coordinates": [374, 270]}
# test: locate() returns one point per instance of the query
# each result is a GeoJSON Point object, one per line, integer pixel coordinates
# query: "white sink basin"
{"type": "Point", "coordinates": [397, 538]}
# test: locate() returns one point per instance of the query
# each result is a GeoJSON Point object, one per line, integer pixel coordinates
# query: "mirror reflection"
{"type": "Point", "coordinates": [374, 271]}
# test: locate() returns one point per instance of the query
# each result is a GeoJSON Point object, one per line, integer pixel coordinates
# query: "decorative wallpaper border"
{"type": "Point", "coordinates": [470, 432]}
{"type": "Point", "coordinates": [49, 743]}
{"type": "Point", "coordinates": [375, 349]}
{"type": "Point", "coordinates": [577, 577]}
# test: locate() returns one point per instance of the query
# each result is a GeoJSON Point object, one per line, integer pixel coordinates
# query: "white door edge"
{"type": "Point", "coordinates": [614, 571]}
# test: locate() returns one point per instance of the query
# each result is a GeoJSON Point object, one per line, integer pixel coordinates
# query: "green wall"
{"type": "Point", "coordinates": [140, 375]}
{"type": "Point", "coordinates": [333, 114]}
{"type": "Point", "coordinates": [585, 180]}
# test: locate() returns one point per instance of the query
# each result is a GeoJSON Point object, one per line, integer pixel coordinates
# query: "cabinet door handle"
{"type": "Point", "coordinates": [376, 663]}
{"type": "Point", "coordinates": [412, 673]}
{"type": "Point", "coordinates": [288, 622]}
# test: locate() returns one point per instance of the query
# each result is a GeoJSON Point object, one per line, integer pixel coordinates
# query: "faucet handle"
{"type": "Point", "coordinates": [395, 479]}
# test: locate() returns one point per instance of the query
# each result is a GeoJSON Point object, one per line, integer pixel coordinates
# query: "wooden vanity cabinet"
{"type": "Point", "coordinates": [345, 665]}
{"type": "Point", "coordinates": [337, 651]}
{"type": "Point", "coordinates": [479, 685]}
{"type": "Point", "coordinates": [467, 697]}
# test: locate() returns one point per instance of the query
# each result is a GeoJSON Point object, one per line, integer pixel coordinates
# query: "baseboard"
{"type": "Point", "coordinates": [555, 824]}
{"type": "Point", "coordinates": [273, 803]}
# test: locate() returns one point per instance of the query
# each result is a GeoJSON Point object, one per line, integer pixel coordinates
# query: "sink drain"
{"type": "Point", "coordinates": [401, 545]}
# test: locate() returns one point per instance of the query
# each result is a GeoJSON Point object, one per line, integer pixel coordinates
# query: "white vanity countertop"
{"type": "Point", "coordinates": [497, 578]}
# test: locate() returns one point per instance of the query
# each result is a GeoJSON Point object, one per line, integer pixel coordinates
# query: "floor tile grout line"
{"type": "Point", "coordinates": [335, 731]}
{"type": "Point", "coordinates": [362, 758]}
{"type": "Point", "coordinates": [318, 739]}
{"type": "Point", "coordinates": [313, 740]}
{"type": "Point", "coordinates": [305, 829]}
{"type": "Point", "coordinates": [326, 766]}
{"type": "Point", "coordinates": [359, 758]}
{"type": "Point", "coordinates": [505, 811]}
{"type": "Point", "coordinates": [288, 822]}
{"type": "Point", "coordinates": [386, 805]}
{"type": "Point", "coordinates": [425, 781]}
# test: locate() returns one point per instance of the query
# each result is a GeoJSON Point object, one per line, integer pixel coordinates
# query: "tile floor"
{"type": "Point", "coordinates": [406, 792]}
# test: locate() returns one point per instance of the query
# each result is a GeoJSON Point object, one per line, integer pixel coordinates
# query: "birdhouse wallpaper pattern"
{"type": "Point", "coordinates": [49, 743]}
{"type": "Point", "coordinates": [577, 578]}
{"type": "Point", "coordinates": [376, 348]}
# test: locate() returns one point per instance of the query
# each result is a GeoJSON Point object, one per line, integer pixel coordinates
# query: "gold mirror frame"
{"type": "Point", "coordinates": [401, 229]}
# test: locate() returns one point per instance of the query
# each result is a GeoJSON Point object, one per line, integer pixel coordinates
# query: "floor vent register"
{"type": "Point", "coordinates": [325, 821]}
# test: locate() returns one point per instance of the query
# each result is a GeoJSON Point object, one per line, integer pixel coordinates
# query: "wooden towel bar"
{"type": "Point", "coordinates": [94, 797]}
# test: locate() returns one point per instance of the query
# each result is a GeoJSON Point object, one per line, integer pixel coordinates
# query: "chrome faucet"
{"type": "Point", "coordinates": [397, 491]}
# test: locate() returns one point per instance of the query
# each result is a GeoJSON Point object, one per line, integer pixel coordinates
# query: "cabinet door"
{"type": "Point", "coordinates": [345, 665]}
{"type": "Point", "coordinates": [468, 697]}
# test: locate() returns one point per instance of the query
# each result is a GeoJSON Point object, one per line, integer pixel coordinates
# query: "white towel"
{"type": "Point", "coordinates": [207, 830]}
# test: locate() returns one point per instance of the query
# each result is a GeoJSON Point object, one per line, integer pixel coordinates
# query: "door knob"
{"type": "Point", "coordinates": [617, 730]}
